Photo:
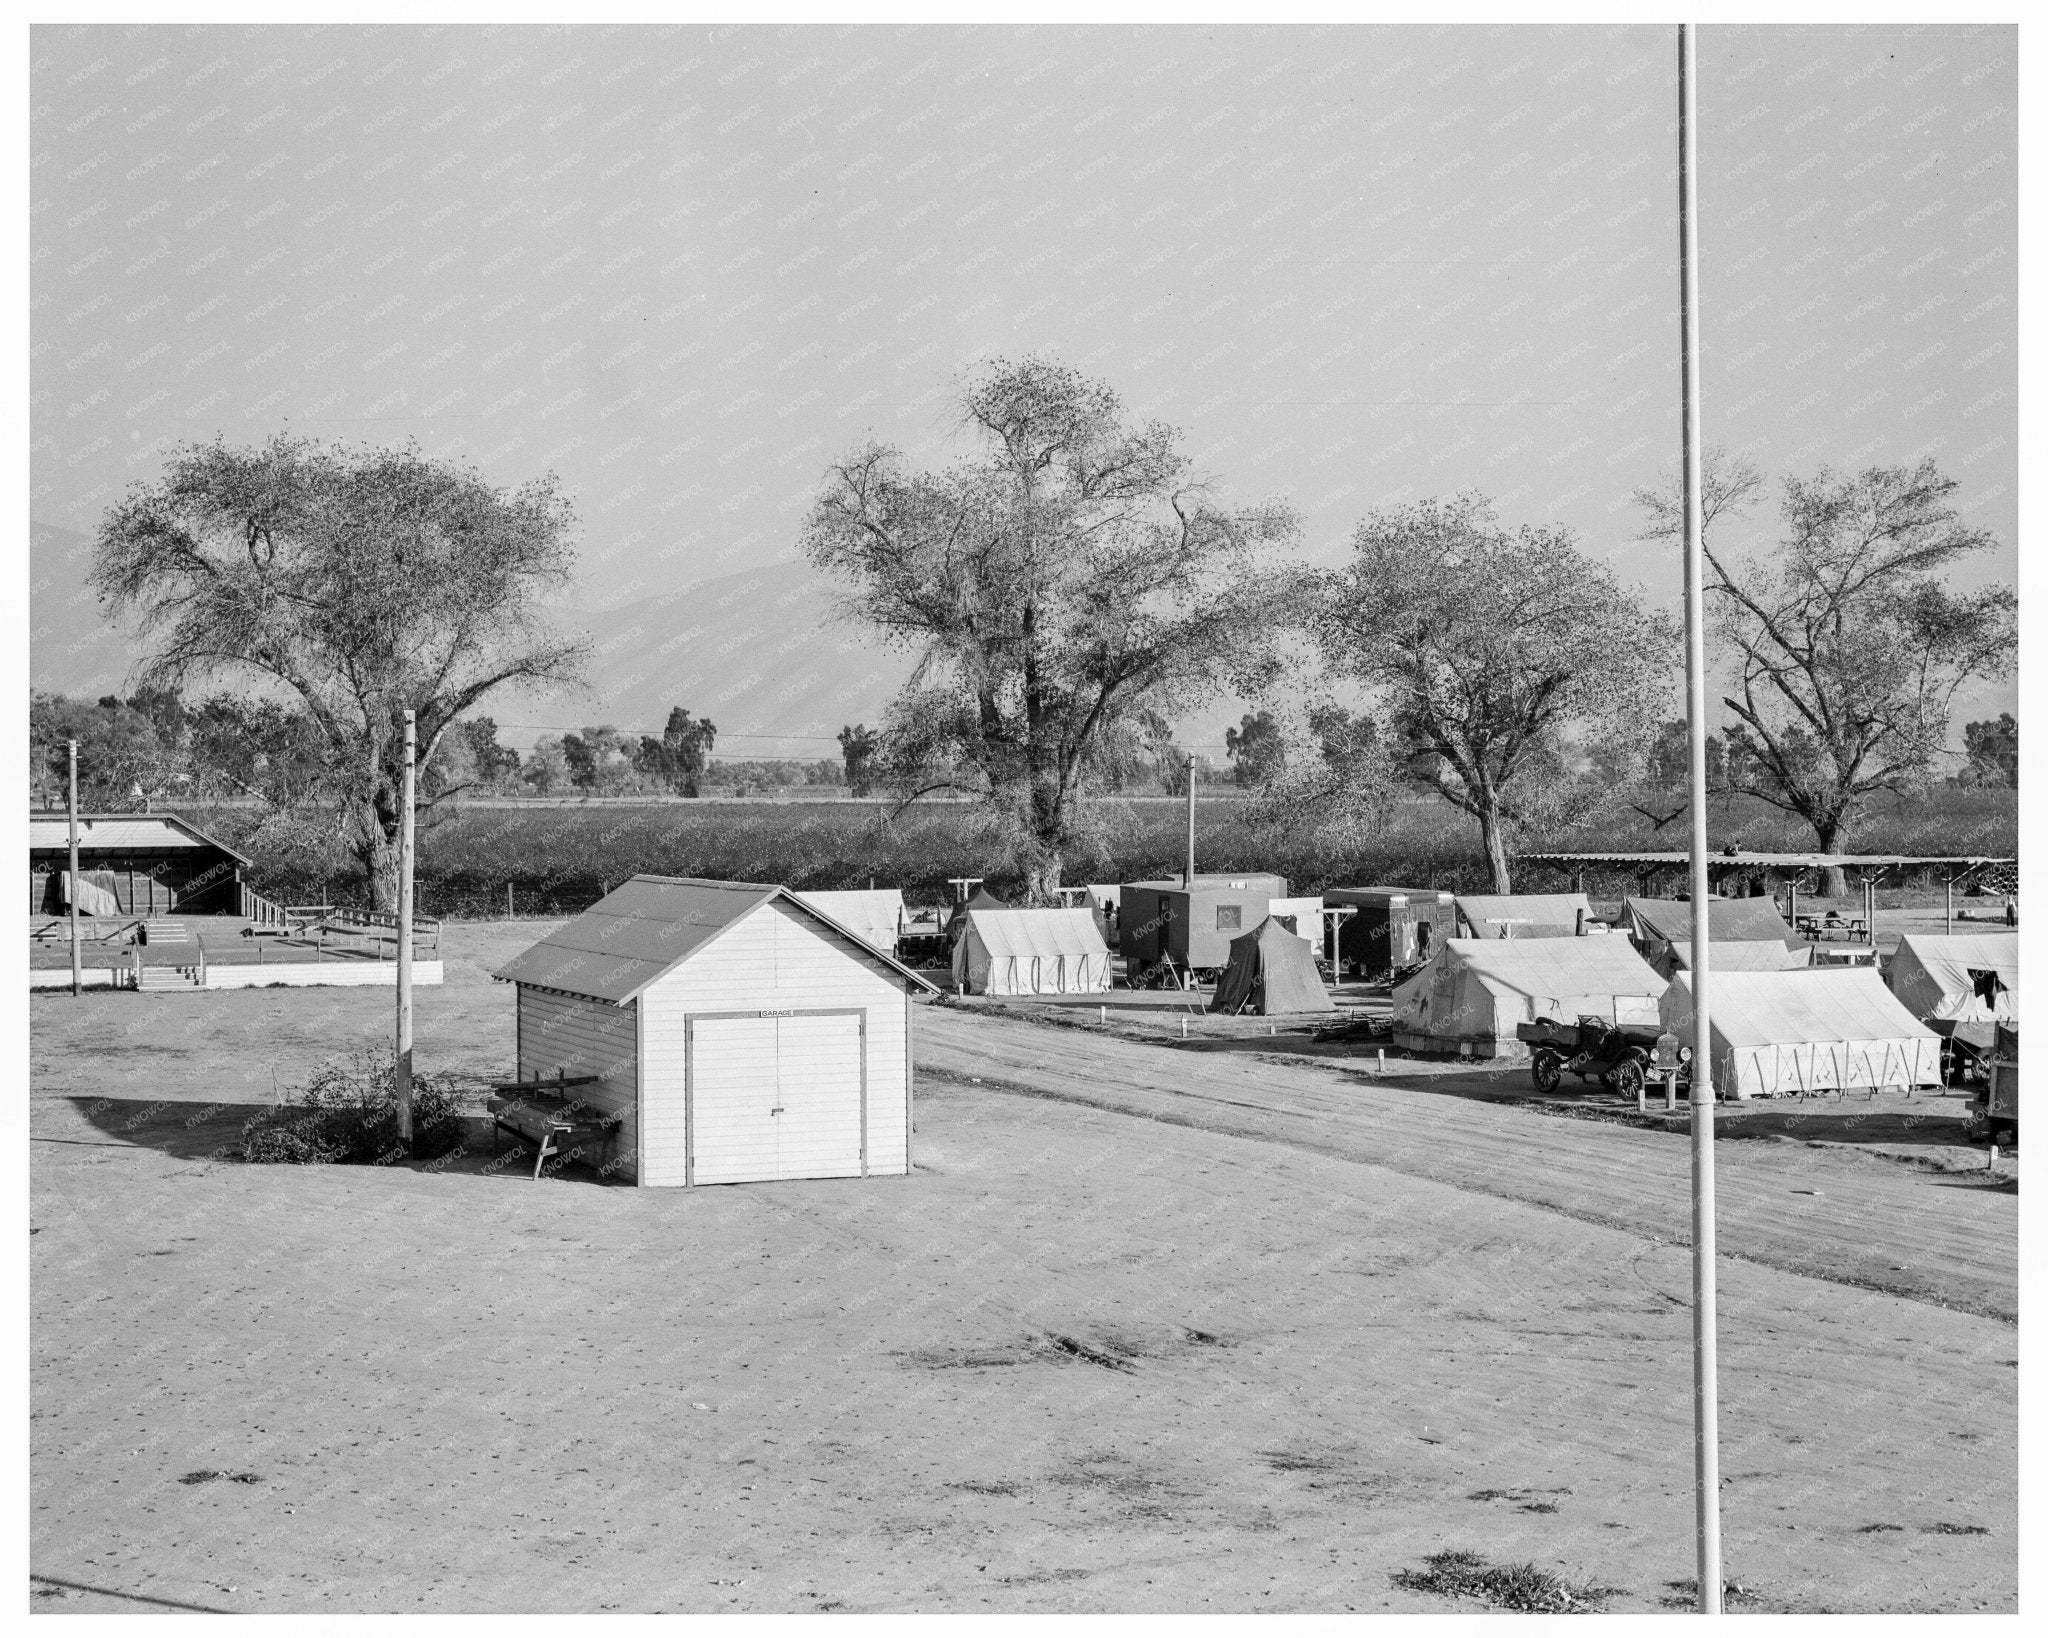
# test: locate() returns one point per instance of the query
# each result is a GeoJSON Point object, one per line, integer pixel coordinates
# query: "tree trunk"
{"type": "Point", "coordinates": [376, 850]}
{"type": "Point", "coordinates": [1042, 879]}
{"type": "Point", "coordinates": [1496, 846]}
{"type": "Point", "coordinates": [1827, 831]}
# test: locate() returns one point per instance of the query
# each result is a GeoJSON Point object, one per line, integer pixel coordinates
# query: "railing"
{"type": "Point", "coordinates": [263, 912]}
{"type": "Point", "coordinates": [382, 927]}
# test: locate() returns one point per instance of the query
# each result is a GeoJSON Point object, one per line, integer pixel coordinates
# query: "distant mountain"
{"type": "Point", "coordinates": [72, 648]}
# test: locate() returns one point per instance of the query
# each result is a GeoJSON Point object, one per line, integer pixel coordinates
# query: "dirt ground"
{"type": "Point", "coordinates": [1225, 1328]}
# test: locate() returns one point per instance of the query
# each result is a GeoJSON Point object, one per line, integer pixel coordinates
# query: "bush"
{"type": "Point", "coordinates": [347, 1115]}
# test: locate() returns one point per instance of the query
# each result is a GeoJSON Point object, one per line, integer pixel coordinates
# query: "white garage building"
{"type": "Point", "coordinates": [742, 1035]}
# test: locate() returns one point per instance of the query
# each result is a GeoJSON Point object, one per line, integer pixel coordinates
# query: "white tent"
{"type": "Point", "coordinates": [873, 915]}
{"type": "Point", "coordinates": [1031, 952]}
{"type": "Point", "coordinates": [1524, 915]}
{"type": "Point", "coordinates": [1820, 1030]}
{"type": "Point", "coordinates": [1941, 977]}
{"type": "Point", "coordinates": [1478, 989]}
{"type": "Point", "coordinates": [1749, 955]}
{"type": "Point", "coordinates": [1307, 916]}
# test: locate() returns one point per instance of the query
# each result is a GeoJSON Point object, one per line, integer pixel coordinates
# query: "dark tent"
{"type": "Point", "coordinates": [1271, 970]}
{"type": "Point", "coordinates": [1729, 921]}
{"type": "Point", "coordinates": [983, 899]}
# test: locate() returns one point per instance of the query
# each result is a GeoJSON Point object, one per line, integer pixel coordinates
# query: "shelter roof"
{"type": "Point", "coordinates": [647, 926]}
{"type": "Point", "coordinates": [1776, 861]}
{"type": "Point", "coordinates": [122, 833]}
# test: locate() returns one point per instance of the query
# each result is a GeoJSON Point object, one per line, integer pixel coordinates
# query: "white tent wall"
{"type": "Point", "coordinates": [1746, 956]}
{"type": "Point", "coordinates": [1820, 1029]}
{"type": "Point", "coordinates": [1930, 974]}
{"type": "Point", "coordinates": [873, 915]}
{"type": "Point", "coordinates": [1031, 952]}
{"type": "Point", "coordinates": [1307, 916]}
{"type": "Point", "coordinates": [1477, 990]}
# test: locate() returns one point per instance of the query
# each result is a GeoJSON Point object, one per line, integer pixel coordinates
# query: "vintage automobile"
{"type": "Point", "coordinates": [1995, 1111]}
{"type": "Point", "coordinates": [1622, 1057]}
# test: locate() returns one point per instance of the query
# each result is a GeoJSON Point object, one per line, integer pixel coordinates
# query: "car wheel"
{"type": "Point", "coordinates": [1627, 1078]}
{"type": "Point", "coordinates": [1546, 1070]}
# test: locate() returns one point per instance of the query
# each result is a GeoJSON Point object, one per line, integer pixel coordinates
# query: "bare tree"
{"type": "Point", "coordinates": [1068, 576]}
{"type": "Point", "coordinates": [361, 581]}
{"type": "Point", "coordinates": [1486, 647]}
{"type": "Point", "coordinates": [1848, 649]}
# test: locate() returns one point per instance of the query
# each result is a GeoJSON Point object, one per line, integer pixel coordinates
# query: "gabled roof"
{"type": "Point", "coordinates": [122, 833]}
{"type": "Point", "coordinates": [1729, 921]}
{"type": "Point", "coordinates": [649, 925]}
{"type": "Point", "coordinates": [1825, 1004]}
{"type": "Point", "coordinates": [1049, 931]}
{"type": "Point", "coordinates": [1384, 897]}
{"type": "Point", "coordinates": [1553, 966]}
{"type": "Point", "coordinates": [1524, 915]}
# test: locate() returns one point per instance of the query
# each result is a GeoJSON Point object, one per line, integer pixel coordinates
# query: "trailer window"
{"type": "Point", "coordinates": [1229, 918]}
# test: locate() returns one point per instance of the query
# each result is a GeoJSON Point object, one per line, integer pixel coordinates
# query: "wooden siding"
{"type": "Point", "coordinates": [775, 961]}
{"type": "Point", "coordinates": [584, 1037]}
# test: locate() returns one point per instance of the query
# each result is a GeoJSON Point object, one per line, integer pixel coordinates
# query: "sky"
{"type": "Point", "coordinates": [684, 268]}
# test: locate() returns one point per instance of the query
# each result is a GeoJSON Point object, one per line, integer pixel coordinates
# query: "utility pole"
{"type": "Point", "coordinates": [1705, 1372]}
{"type": "Point", "coordinates": [1191, 822]}
{"type": "Point", "coordinates": [403, 1057]}
{"type": "Point", "coordinates": [71, 898]}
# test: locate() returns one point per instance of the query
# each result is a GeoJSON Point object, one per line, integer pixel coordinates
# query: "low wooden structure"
{"type": "Point", "coordinates": [147, 864]}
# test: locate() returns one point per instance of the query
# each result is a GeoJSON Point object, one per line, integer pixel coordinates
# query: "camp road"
{"type": "Point", "coordinates": [1789, 1207]}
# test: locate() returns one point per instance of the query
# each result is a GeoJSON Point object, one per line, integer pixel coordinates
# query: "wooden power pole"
{"type": "Point", "coordinates": [403, 1056]}
{"type": "Point", "coordinates": [71, 897]}
{"type": "Point", "coordinates": [1191, 823]}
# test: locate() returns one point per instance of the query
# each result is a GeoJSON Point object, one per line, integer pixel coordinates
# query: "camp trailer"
{"type": "Point", "coordinates": [1191, 927]}
{"type": "Point", "coordinates": [1395, 928]}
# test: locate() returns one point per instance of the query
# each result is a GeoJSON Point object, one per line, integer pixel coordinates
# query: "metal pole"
{"type": "Point", "coordinates": [1706, 1431]}
{"type": "Point", "coordinates": [1191, 826]}
{"type": "Point", "coordinates": [404, 1053]}
{"type": "Point", "coordinates": [1948, 904]}
{"type": "Point", "coordinates": [77, 960]}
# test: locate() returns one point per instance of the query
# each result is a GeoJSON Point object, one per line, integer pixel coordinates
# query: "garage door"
{"type": "Point", "coordinates": [776, 1097]}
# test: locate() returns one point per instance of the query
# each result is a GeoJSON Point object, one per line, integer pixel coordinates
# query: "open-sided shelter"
{"type": "Point", "coordinates": [1047, 951]}
{"type": "Point", "coordinates": [1523, 915]}
{"type": "Point", "coordinates": [1962, 977]}
{"type": "Point", "coordinates": [1394, 927]}
{"type": "Point", "coordinates": [742, 1035]}
{"type": "Point", "coordinates": [1819, 1029]}
{"type": "Point", "coordinates": [1476, 990]}
{"type": "Point", "coordinates": [132, 864]}
{"type": "Point", "coordinates": [1271, 971]}
{"type": "Point", "coordinates": [873, 915]}
{"type": "Point", "coordinates": [1193, 925]}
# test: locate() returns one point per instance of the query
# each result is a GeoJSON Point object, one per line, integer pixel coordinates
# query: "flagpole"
{"type": "Point", "coordinates": [1706, 1433]}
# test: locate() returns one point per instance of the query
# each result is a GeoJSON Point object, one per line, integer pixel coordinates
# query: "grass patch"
{"type": "Point", "coordinates": [1522, 1587]}
{"type": "Point", "coordinates": [1687, 1594]}
{"type": "Point", "coordinates": [347, 1115]}
{"type": "Point", "coordinates": [206, 1475]}
{"type": "Point", "coordinates": [1955, 1530]}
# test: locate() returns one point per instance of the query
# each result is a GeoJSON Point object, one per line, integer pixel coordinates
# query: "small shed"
{"type": "Point", "coordinates": [1523, 915]}
{"type": "Point", "coordinates": [1046, 951]}
{"type": "Point", "coordinates": [1476, 990]}
{"type": "Point", "coordinates": [1194, 925]}
{"type": "Point", "coordinates": [1394, 927]}
{"type": "Point", "coordinates": [1818, 1029]}
{"type": "Point", "coordinates": [132, 864]}
{"type": "Point", "coordinates": [742, 1035]}
{"type": "Point", "coordinates": [1271, 971]}
{"type": "Point", "coordinates": [874, 915]}
{"type": "Point", "coordinates": [1964, 977]}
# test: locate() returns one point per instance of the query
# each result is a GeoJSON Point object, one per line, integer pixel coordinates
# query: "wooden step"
{"type": "Point", "coordinates": [169, 978]}
{"type": "Point", "coordinates": [165, 932]}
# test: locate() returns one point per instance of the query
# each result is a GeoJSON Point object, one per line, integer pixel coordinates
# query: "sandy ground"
{"type": "Point", "coordinates": [1347, 1323]}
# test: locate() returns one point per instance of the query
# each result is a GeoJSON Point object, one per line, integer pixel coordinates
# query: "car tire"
{"type": "Point", "coordinates": [1546, 1069]}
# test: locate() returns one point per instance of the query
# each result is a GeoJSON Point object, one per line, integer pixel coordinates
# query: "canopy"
{"type": "Point", "coordinates": [873, 915]}
{"type": "Point", "coordinates": [1524, 915]}
{"type": "Point", "coordinates": [1476, 988]}
{"type": "Point", "coordinates": [1030, 952]}
{"type": "Point", "coordinates": [1729, 921]}
{"type": "Point", "coordinates": [1758, 955]}
{"type": "Point", "coordinates": [1817, 1030]}
{"type": "Point", "coordinates": [1271, 970]}
{"type": "Point", "coordinates": [1969, 977]}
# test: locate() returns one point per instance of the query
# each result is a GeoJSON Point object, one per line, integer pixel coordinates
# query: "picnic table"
{"type": "Point", "coordinates": [542, 1113]}
{"type": "Point", "coordinates": [1816, 928]}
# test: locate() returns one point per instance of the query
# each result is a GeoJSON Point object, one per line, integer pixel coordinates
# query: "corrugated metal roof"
{"type": "Point", "coordinates": [646, 926]}
{"type": "Point", "coordinates": [1782, 861]}
{"type": "Point", "coordinates": [121, 832]}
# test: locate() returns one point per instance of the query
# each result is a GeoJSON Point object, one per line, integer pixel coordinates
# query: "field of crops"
{"type": "Point", "coordinates": [560, 858]}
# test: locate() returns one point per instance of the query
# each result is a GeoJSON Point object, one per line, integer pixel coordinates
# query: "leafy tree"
{"type": "Point", "coordinates": [1994, 751]}
{"type": "Point", "coordinates": [361, 581]}
{"type": "Point", "coordinates": [600, 759]}
{"type": "Point", "coordinates": [676, 760]}
{"type": "Point", "coordinates": [1848, 647]}
{"type": "Point", "coordinates": [130, 752]}
{"type": "Point", "coordinates": [243, 747]}
{"type": "Point", "coordinates": [859, 746]}
{"type": "Point", "coordinates": [491, 764]}
{"type": "Point", "coordinates": [1256, 748]}
{"type": "Point", "coordinates": [1069, 574]}
{"type": "Point", "coordinates": [1483, 645]}
{"type": "Point", "coordinates": [546, 768]}
{"type": "Point", "coordinates": [1668, 763]}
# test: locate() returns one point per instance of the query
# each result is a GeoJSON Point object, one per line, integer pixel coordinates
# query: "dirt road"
{"type": "Point", "coordinates": [1260, 1348]}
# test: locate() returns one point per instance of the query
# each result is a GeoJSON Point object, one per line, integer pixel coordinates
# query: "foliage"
{"type": "Point", "coordinates": [1484, 647]}
{"type": "Point", "coordinates": [490, 765]}
{"type": "Point", "coordinates": [546, 767]}
{"type": "Point", "coordinates": [858, 745]}
{"type": "Point", "coordinates": [124, 758]}
{"type": "Point", "coordinates": [1849, 647]}
{"type": "Point", "coordinates": [360, 582]}
{"type": "Point", "coordinates": [347, 1115]}
{"type": "Point", "coordinates": [1257, 749]}
{"type": "Point", "coordinates": [1070, 575]}
{"type": "Point", "coordinates": [1523, 1587]}
{"type": "Point", "coordinates": [1993, 749]}
{"type": "Point", "coordinates": [676, 760]}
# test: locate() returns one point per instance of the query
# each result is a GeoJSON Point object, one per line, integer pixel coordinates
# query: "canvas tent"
{"type": "Point", "coordinates": [1729, 921]}
{"type": "Point", "coordinates": [982, 899]}
{"type": "Point", "coordinates": [1030, 952]}
{"type": "Point", "coordinates": [873, 915]}
{"type": "Point", "coordinates": [1271, 970]}
{"type": "Point", "coordinates": [1757, 955]}
{"type": "Point", "coordinates": [1966, 977]}
{"type": "Point", "coordinates": [1818, 1030]}
{"type": "Point", "coordinates": [1304, 913]}
{"type": "Point", "coordinates": [1475, 991]}
{"type": "Point", "coordinates": [1523, 915]}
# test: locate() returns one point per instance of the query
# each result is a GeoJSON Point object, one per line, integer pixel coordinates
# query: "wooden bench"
{"type": "Point", "coordinates": [539, 1112]}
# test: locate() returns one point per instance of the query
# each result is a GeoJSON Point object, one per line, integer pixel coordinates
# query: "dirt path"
{"type": "Point", "coordinates": [1078, 1361]}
